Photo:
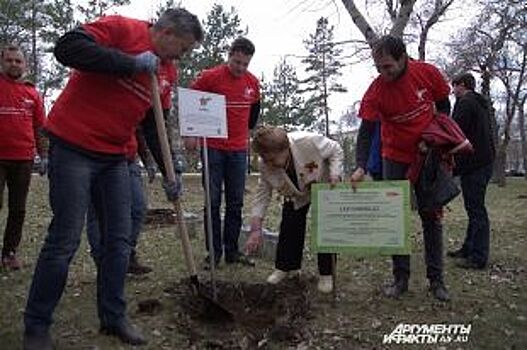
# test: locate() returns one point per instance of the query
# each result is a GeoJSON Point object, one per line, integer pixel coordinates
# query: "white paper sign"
{"type": "Point", "coordinates": [202, 114]}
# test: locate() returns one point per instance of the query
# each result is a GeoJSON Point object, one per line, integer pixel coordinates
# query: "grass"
{"type": "Point", "coordinates": [493, 301]}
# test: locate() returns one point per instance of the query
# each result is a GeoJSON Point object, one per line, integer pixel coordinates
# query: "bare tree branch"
{"type": "Point", "coordinates": [360, 21]}
{"type": "Point", "coordinates": [440, 7]}
{"type": "Point", "coordinates": [403, 17]}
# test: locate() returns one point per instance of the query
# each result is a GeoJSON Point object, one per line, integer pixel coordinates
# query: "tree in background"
{"type": "Point", "coordinates": [221, 27]}
{"type": "Point", "coordinates": [35, 25]}
{"type": "Point", "coordinates": [324, 64]}
{"type": "Point", "coordinates": [346, 135]}
{"type": "Point", "coordinates": [494, 45]}
{"type": "Point", "coordinates": [283, 104]}
{"type": "Point", "coordinates": [98, 8]}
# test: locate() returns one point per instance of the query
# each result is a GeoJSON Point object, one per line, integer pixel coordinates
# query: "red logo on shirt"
{"type": "Point", "coordinates": [420, 95]}
{"type": "Point", "coordinates": [249, 92]}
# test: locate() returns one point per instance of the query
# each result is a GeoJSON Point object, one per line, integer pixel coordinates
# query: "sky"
{"type": "Point", "coordinates": [278, 28]}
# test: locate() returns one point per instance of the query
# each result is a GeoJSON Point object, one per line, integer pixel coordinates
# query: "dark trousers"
{"type": "Point", "coordinates": [432, 232]}
{"type": "Point", "coordinates": [138, 212]}
{"type": "Point", "coordinates": [77, 180]}
{"type": "Point", "coordinates": [17, 176]}
{"type": "Point", "coordinates": [291, 241]}
{"type": "Point", "coordinates": [227, 171]}
{"type": "Point", "coordinates": [477, 239]}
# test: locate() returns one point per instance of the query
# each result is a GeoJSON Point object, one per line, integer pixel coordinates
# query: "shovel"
{"type": "Point", "coordinates": [211, 303]}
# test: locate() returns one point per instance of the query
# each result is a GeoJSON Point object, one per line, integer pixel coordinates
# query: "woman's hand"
{"type": "Point", "coordinates": [333, 181]}
{"type": "Point", "coordinates": [255, 240]}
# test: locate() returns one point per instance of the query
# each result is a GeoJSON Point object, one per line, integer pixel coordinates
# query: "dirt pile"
{"type": "Point", "coordinates": [263, 315]}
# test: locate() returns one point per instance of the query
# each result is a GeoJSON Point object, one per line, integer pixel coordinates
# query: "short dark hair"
{"type": "Point", "coordinates": [182, 22]}
{"type": "Point", "coordinates": [389, 45]}
{"type": "Point", "coordinates": [11, 48]}
{"type": "Point", "coordinates": [242, 45]}
{"type": "Point", "coordinates": [466, 79]}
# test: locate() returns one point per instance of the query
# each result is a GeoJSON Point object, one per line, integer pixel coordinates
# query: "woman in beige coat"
{"type": "Point", "coordinates": [290, 163]}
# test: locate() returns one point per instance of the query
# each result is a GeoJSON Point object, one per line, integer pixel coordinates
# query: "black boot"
{"type": "Point", "coordinates": [458, 254]}
{"type": "Point", "coordinates": [439, 290]}
{"type": "Point", "coordinates": [37, 342]}
{"type": "Point", "coordinates": [135, 268]}
{"type": "Point", "coordinates": [396, 289]}
{"type": "Point", "coordinates": [126, 332]}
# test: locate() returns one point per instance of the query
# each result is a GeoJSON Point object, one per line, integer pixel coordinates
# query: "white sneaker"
{"type": "Point", "coordinates": [277, 276]}
{"type": "Point", "coordinates": [325, 284]}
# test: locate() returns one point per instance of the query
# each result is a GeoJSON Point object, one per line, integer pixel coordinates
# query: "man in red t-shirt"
{"type": "Point", "coordinates": [136, 147]}
{"type": "Point", "coordinates": [404, 97]}
{"type": "Point", "coordinates": [228, 157]}
{"type": "Point", "coordinates": [21, 118]}
{"type": "Point", "coordinates": [90, 126]}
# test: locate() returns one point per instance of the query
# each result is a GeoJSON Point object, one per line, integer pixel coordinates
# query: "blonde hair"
{"type": "Point", "coordinates": [270, 139]}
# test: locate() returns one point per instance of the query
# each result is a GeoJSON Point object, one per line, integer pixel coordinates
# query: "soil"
{"type": "Point", "coordinates": [160, 217]}
{"type": "Point", "coordinates": [263, 315]}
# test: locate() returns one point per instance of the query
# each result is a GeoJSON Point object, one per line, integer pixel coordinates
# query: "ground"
{"type": "Point", "coordinates": [295, 315]}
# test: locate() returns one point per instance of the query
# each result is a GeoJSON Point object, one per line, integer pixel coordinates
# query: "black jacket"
{"type": "Point", "coordinates": [471, 112]}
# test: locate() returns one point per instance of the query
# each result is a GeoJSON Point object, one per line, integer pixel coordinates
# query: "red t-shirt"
{"type": "Point", "coordinates": [166, 79]}
{"type": "Point", "coordinates": [21, 115]}
{"type": "Point", "coordinates": [100, 112]}
{"type": "Point", "coordinates": [405, 108]}
{"type": "Point", "coordinates": [240, 93]}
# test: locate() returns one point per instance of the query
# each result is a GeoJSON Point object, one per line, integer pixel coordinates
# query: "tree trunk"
{"type": "Point", "coordinates": [521, 125]}
{"type": "Point", "coordinates": [325, 94]}
{"type": "Point", "coordinates": [485, 91]}
{"type": "Point", "coordinates": [422, 43]}
{"type": "Point", "coordinates": [34, 54]}
{"type": "Point", "coordinates": [360, 21]}
{"type": "Point", "coordinates": [407, 6]}
{"type": "Point", "coordinates": [499, 166]}
{"type": "Point", "coordinates": [440, 8]}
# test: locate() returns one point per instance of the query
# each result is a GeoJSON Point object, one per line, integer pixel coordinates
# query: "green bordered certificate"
{"type": "Point", "coordinates": [374, 220]}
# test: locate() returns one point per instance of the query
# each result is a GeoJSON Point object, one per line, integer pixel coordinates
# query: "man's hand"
{"type": "Point", "coordinates": [146, 62]}
{"type": "Point", "coordinates": [173, 190]}
{"type": "Point", "coordinates": [43, 166]}
{"type": "Point", "coordinates": [356, 177]}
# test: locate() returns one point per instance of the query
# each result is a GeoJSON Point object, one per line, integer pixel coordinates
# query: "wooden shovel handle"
{"type": "Point", "coordinates": [171, 176]}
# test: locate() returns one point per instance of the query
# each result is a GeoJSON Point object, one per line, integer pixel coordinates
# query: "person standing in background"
{"type": "Point", "coordinates": [22, 116]}
{"type": "Point", "coordinates": [471, 112]}
{"type": "Point", "coordinates": [228, 157]}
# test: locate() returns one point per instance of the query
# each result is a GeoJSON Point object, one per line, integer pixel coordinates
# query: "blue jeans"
{"type": "Point", "coordinates": [477, 239]}
{"type": "Point", "coordinates": [138, 212]}
{"type": "Point", "coordinates": [75, 180]}
{"type": "Point", "coordinates": [228, 169]}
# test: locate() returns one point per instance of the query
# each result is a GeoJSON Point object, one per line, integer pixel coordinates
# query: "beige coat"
{"type": "Point", "coordinates": [315, 157]}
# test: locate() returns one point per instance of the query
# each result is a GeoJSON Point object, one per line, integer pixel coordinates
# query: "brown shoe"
{"type": "Point", "coordinates": [11, 262]}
